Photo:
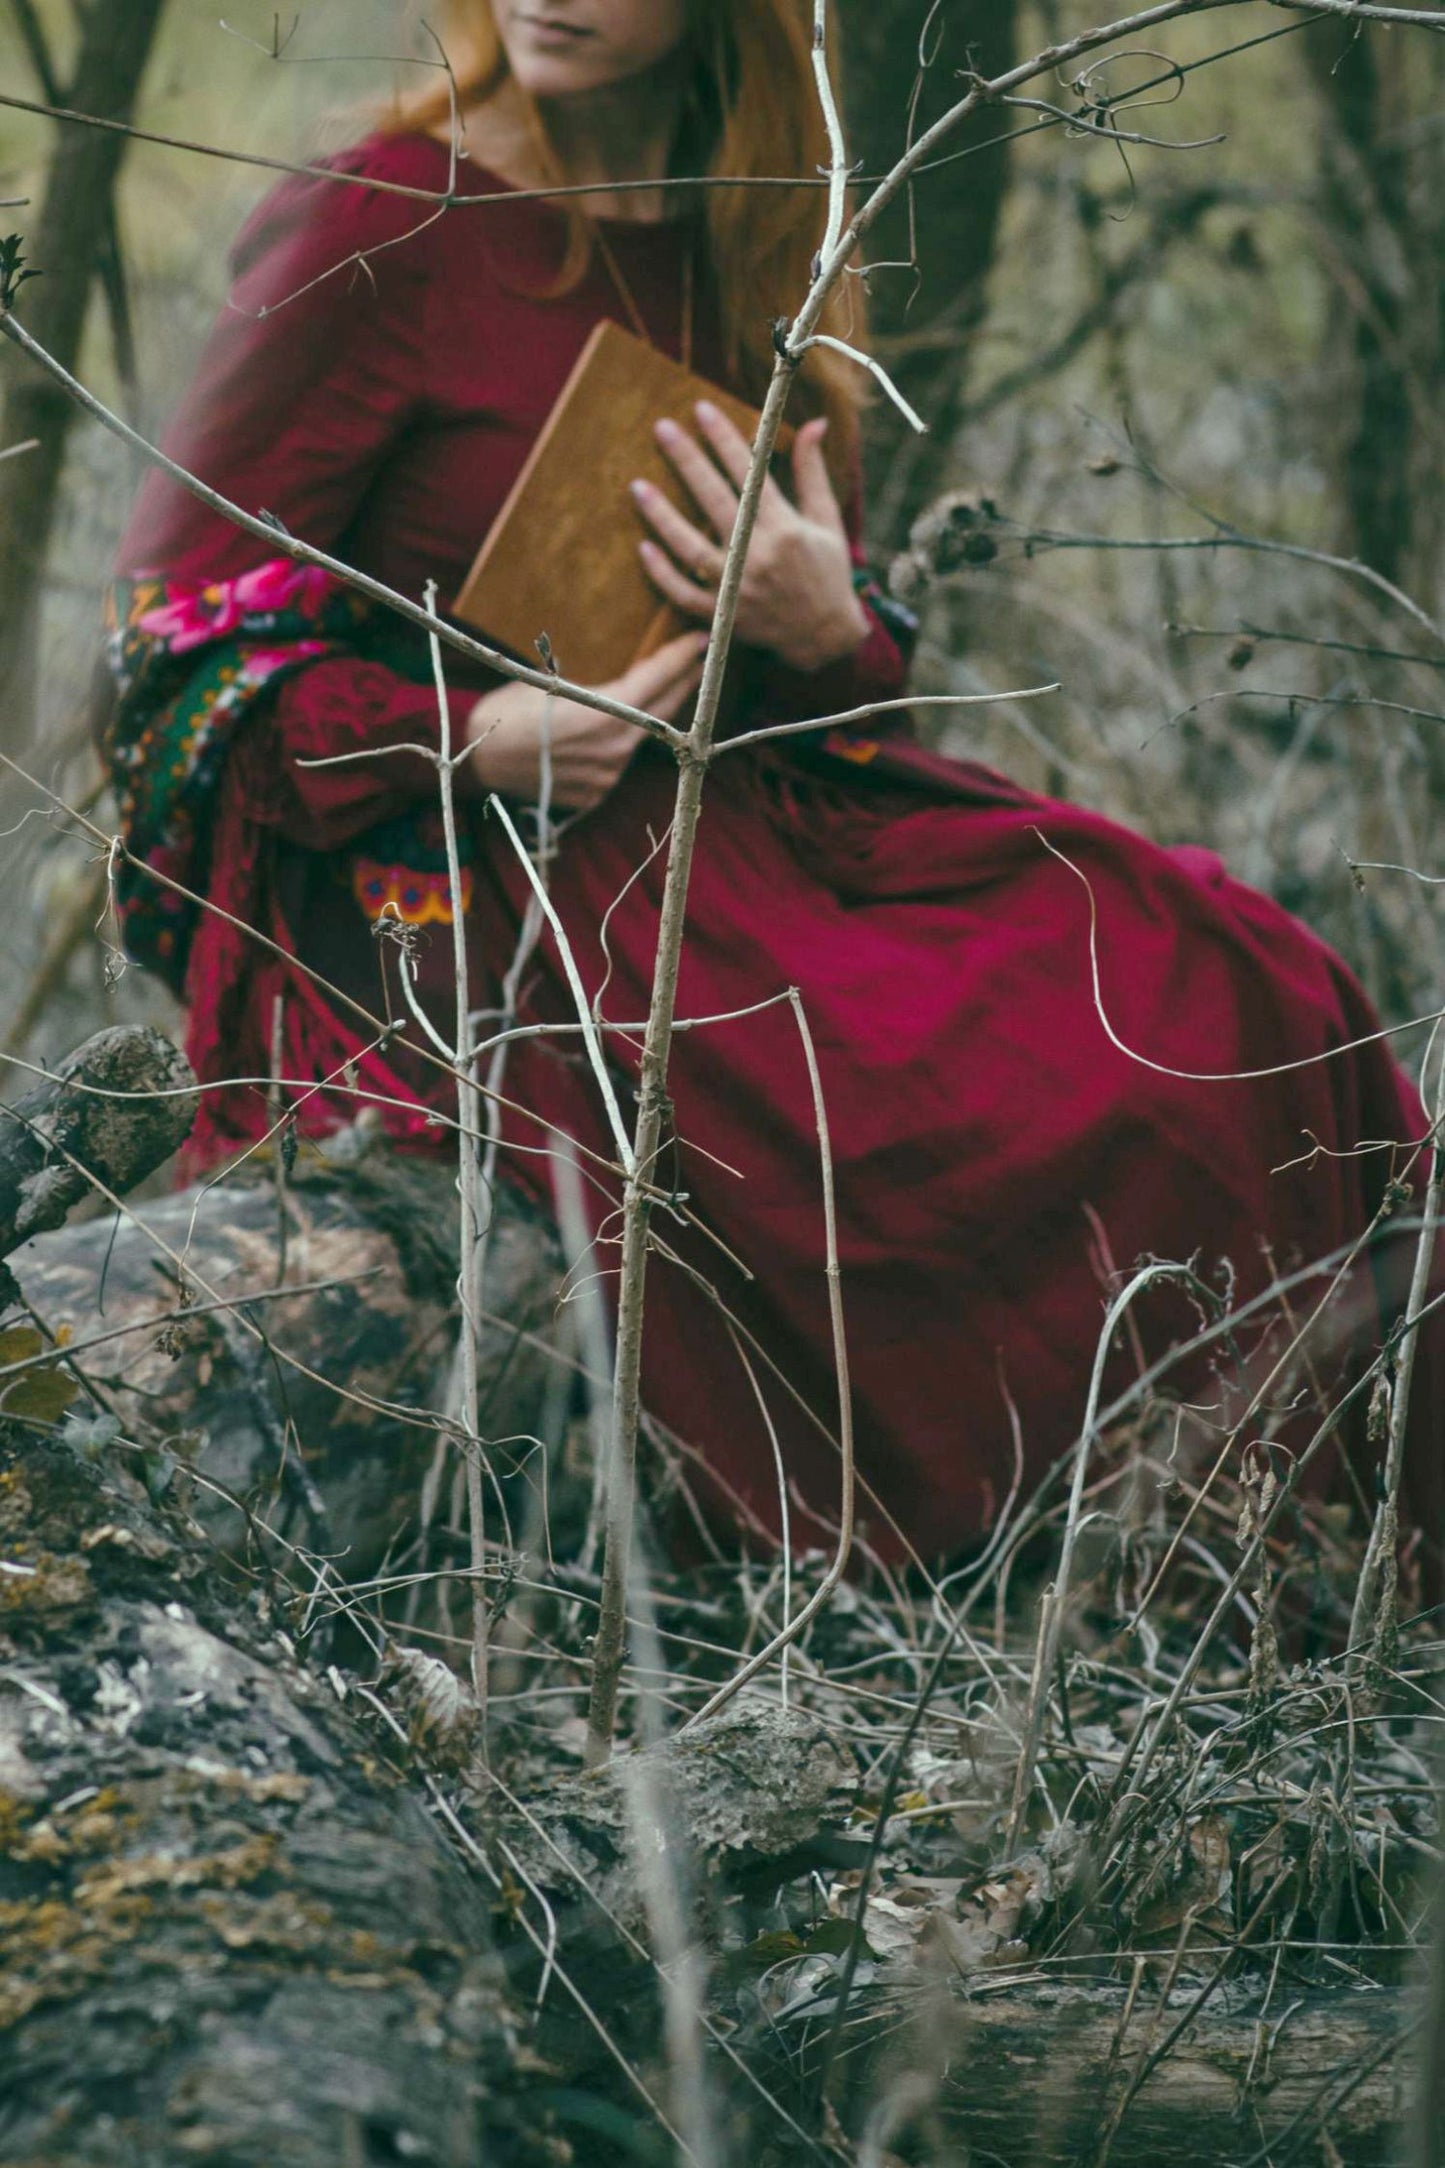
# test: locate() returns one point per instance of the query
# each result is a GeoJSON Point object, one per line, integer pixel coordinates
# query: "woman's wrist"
{"type": "Point", "coordinates": [477, 727]}
{"type": "Point", "coordinates": [831, 640]}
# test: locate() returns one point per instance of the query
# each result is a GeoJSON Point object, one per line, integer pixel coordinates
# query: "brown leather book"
{"type": "Point", "coordinates": [561, 557]}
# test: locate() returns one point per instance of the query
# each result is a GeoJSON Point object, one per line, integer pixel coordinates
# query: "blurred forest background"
{"type": "Point", "coordinates": [1232, 331]}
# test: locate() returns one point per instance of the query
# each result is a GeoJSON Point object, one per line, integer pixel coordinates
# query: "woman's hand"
{"type": "Point", "coordinates": [589, 750]}
{"type": "Point", "coordinates": [797, 596]}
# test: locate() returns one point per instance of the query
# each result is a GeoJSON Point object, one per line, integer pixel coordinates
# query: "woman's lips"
{"type": "Point", "coordinates": [545, 30]}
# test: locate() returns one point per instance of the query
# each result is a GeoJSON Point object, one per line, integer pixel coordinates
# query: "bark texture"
{"type": "Point", "coordinates": [304, 1384]}
{"type": "Point", "coordinates": [1035, 2076]}
{"type": "Point", "coordinates": [230, 1932]}
{"type": "Point", "coordinates": [756, 1792]}
{"type": "Point", "coordinates": [93, 1118]}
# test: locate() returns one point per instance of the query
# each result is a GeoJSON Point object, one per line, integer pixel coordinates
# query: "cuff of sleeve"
{"type": "Point", "coordinates": [874, 671]}
{"type": "Point", "coordinates": [352, 708]}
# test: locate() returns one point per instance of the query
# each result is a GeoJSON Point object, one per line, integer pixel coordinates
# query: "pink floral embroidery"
{"type": "Point", "coordinates": [194, 612]}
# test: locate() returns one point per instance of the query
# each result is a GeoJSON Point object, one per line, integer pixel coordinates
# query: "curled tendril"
{"type": "Point", "coordinates": [1100, 109]}
{"type": "Point", "coordinates": [1090, 85]}
{"type": "Point", "coordinates": [930, 37]}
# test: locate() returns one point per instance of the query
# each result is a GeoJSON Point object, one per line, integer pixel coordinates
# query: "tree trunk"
{"type": "Point", "coordinates": [67, 243]}
{"type": "Point", "coordinates": [1380, 240]}
{"type": "Point", "coordinates": [922, 320]}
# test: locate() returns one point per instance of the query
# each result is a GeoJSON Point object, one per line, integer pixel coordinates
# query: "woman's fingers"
{"type": "Point", "coordinates": [588, 749]}
{"type": "Point", "coordinates": [711, 491]}
{"type": "Point", "coordinates": [735, 455]}
{"type": "Point", "coordinates": [651, 678]}
{"type": "Point", "coordinates": [591, 749]}
{"type": "Point", "coordinates": [696, 552]}
{"type": "Point", "coordinates": [687, 595]}
{"type": "Point", "coordinates": [812, 483]}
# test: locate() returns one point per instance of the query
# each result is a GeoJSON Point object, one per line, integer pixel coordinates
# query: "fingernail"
{"type": "Point", "coordinates": [706, 411]}
{"type": "Point", "coordinates": [667, 430]}
{"type": "Point", "coordinates": [641, 491]}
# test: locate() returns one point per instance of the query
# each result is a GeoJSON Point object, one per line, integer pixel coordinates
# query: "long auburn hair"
{"type": "Point", "coordinates": [751, 109]}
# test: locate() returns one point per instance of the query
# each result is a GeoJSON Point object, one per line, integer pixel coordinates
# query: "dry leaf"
{"type": "Point", "coordinates": [964, 1945]}
{"type": "Point", "coordinates": [441, 1710]}
{"type": "Point", "coordinates": [41, 1395]}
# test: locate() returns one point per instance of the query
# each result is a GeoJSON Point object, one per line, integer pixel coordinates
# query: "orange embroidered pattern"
{"type": "Point", "coordinates": [846, 747]}
{"type": "Point", "coordinates": [418, 899]}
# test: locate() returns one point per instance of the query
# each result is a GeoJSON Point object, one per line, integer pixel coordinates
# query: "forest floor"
{"type": "Point", "coordinates": [1139, 1874]}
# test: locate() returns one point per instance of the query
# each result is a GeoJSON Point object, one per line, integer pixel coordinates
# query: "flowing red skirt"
{"type": "Point", "coordinates": [998, 1161]}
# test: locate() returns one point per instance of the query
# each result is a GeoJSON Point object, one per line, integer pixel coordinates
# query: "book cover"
{"type": "Point", "coordinates": [561, 556]}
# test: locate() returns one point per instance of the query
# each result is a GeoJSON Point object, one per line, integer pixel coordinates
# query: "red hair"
{"type": "Point", "coordinates": [751, 109]}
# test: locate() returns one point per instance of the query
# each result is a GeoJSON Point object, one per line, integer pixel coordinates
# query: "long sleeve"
{"type": "Point", "coordinates": [308, 385]}
{"type": "Point", "coordinates": [345, 706]}
{"type": "Point", "coordinates": [876, 670]}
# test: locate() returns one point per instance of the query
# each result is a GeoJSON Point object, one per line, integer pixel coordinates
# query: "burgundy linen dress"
{"type": "Point", "coordinates": [375, 384]}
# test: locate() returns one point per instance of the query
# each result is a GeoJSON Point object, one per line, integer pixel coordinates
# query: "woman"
{"type": "Point", "coordinates": [375, 386]}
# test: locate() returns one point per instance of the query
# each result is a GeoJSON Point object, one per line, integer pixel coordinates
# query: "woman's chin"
{"type": "Point", "coordinates": [556, 77]}
{"type": "Point", "coordinates": [562, 68]}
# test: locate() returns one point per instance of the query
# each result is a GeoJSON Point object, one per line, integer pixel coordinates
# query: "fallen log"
{"type": "Point", "coordinates": [291, 1345]}
{"type": "Point", "coordinates": [229, 1930]}
{"type": "Point", "coordinates": [228, 1927]}
{"type": "Point", "coordinates": [1042, 2075]}
{"type": "Point", "coordinates": [115, 1109]}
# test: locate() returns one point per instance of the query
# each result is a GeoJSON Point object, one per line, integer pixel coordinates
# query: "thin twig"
{"type": "Point", "coordinates": [1056, 1597]}
{"type": "Point", "coordinates": [875, 707]}
{"type": "Point", "coordinates": [837, 148]}
{"type": "Point", "coordinates": [585, 1018]}
{"type": "Point", "coordinates": [875, 369]}
{"type": "Point", "coordinates": [1228, 539]}
{"type": "Point", "coordinates": [1215, 1076]}
{"type": "Point", "coordinates": [1379, 1552]}
{"type": "Point", "coordinates": [839, 1566]}
{"type": "Point", "coordinates": [469, 1118]}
